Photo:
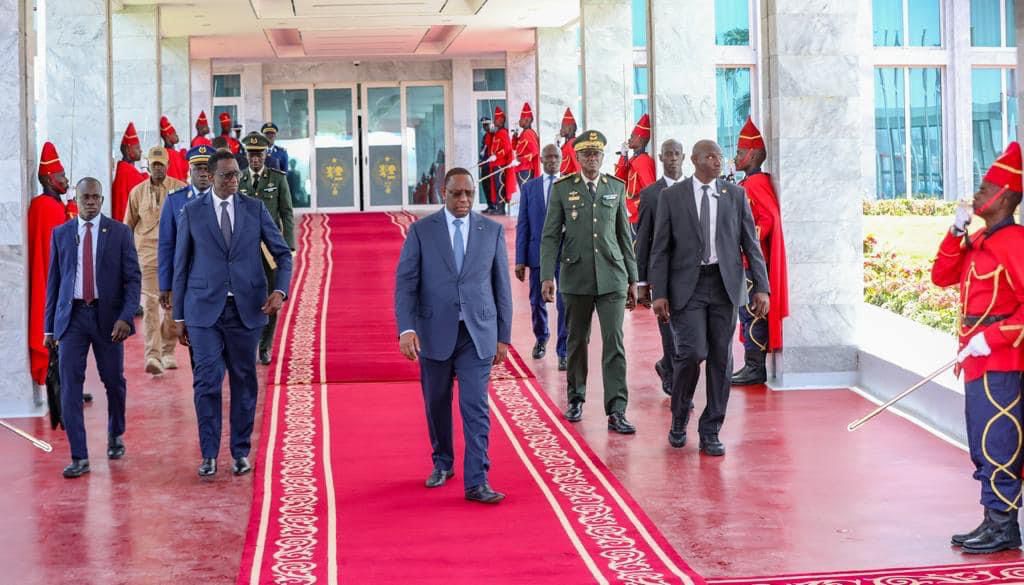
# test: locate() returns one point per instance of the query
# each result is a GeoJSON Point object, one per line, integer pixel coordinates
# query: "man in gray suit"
{"type": "Point", "coordinates": [453, 305]}
{"type": "Point", "coordinates": [697, 279]}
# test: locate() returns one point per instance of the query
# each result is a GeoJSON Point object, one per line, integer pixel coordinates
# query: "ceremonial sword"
{"type": "Point", "coordinates": [37, 442]}
{"type": "Point", "coordinates": [860, 422]}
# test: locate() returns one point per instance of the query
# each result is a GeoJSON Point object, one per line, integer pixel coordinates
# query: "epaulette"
{"type": "Point", "coordinates": [567, 177]}
{"type": "Point", "coordinates": [278, 171]}
{"type": "Point", "coordinates": [181, 190]}
{"type": "Point", "coordinates": [614, 178]}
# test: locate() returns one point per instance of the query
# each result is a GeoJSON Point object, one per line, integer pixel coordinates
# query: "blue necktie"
{"type": "Point", "coordinates": [458, 247]}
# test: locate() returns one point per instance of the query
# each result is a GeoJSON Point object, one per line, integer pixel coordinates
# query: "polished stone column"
{"type": "Point", "coordinates": [135, 74]}
{"type": "Point", "coordinates": [174, 85]}
{"type": "Point", "coordinates": [201, 75]}
{"type": "Point", "coordinates": [817, 94]}
{"type": "Point", "coordinates": [78, 96]}
{"type": "Point", "coordinates": [557, 79]}
{"type": "Point", "coordinates": [682, 68]}
{"type": "Point", "coordinates": [17, 397]}
{"type": "Point", "coordinates": [607, 45]}
{"type": "Point", "coordinates": [252, 98]}
{"type": "Point", "coordinates": [463, 117]}
{"type": "Point", "coordinates": [521, 80]}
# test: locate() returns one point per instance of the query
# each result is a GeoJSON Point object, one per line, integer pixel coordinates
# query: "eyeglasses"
{"type": "Point", "coordinates": [230, 175]}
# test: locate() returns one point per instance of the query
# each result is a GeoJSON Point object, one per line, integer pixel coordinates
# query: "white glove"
{"type": "Point", "coordinates": [515, 162]}
{"type": "Point", "coordinates": [624, 149]}
{"type": "Point", "coordinates": [976, 347]}
{"type": "Point", "coordinates": [493, 158]}
{"type": "Point", "coordinates": [961, 219]}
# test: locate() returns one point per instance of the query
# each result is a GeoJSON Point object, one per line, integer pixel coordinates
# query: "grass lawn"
{"type": "Point", "coordinates": [912, 236]}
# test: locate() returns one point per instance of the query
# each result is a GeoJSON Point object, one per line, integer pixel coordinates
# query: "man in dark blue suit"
{"type": "Point", "coordinates": [453, 304]}
{"type": "Point", "coordinates": [221, 303]}
{"type": "Point", "coordinates": [533, 206]}
{"type": "Point", "coordinates": [92, 292]}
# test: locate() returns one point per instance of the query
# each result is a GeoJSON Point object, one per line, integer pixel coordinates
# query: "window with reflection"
{"type": "Point", "coordinates": [334, 143]}
{"type": "Point", "coordinates": [227, 85]}
{"type": "Point", "coordinates": [993, 115]}
{"type": "Point", "coordinates": [641, 91]}
{"type": "Point", "coordinates": [926, 132]}
{"type": "Point", "coordinates": [425, 135]}
{"type": "Point", "coordinates": [890, 133]}
{"type": "Point", "coordinates": [639, 24]}
{"type": "Point", "coordinates": [987, 22]}
{"type": "Point", "coordinates": [732, 22]}
{"type": "Point", "coordinates": [488, 80]}
{"type": "Point", "coordinates": [733, 94]}
{"type": "Point", "coordinates": [908, 129]}
{"type": "Point", "coordinates": [289, 109]}
{"type": "Point", "coordinates": [907, 23]}
{"type": "Point", "coordinates": [924, 23]}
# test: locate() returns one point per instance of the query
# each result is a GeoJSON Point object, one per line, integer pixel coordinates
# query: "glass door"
{"type": "Point", "coordinates": [336, 152]}
{"type": "Point", "coordinates": [383, 176]}
{"type": "Point", "coordinates": [289, 109]}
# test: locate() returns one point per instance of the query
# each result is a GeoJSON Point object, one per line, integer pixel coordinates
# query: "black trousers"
{"type": "Point", "coordinates": [703, 331]}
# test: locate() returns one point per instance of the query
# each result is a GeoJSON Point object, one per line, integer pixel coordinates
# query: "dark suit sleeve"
{"type": "Point", "coordinates": [750, 245]}
{"type": "Point", "coordinates": [131, 276]}
{"type": "Point", "coordinates": [523, 227]}
{"type": "Point", "coordinates": [165, 247]}
{"type": "Point", "coordinates": [407, 282]}
{"type": "Point", "coordinates": [625, 237]}
{"type": "Point", "coordinates": [661, 250]}
{"type": "Point", "coordinates": [52, 284]}
{"type": "Point", "coordinates": [502, 289]}
{"type": "Point", "coordinates": [551, 237]}
{"type": "Point", "coordinates": [644, 233]}
{"type": "Point", "coordinates": [287, 213]}
{"type": "Point", "coordinates": [182, 263]}
{"type": "Point", "coordinates": [282, 253]}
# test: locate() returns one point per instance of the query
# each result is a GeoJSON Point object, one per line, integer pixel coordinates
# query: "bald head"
{"type": "Point", "coordinates": [707, 160]}
{"type": "Point", "coordinates": [672, 157]}
{"type": "Point", "coordinates": [89, 195]}
{"type": "Point", "coordinates": [551, 159]}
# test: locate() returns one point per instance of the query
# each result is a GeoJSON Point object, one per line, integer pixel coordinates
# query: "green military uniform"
{"type": "Point", "coordinates": [592, 230]}
{"type": "Point", "coordinates": [270, 187]}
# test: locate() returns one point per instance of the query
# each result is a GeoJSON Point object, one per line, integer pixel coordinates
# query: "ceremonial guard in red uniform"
{"type": "Point", "coordinates": [177, 166]}
{"type": "Point", "coordinates": [570, 165]}
{"type": "Point", "coordinates": [46, 212]}
{"type": "Point", "coordinates": [487, 182]}
{"type": "Point", "coordinates": [202, 129]}
{"type": "Point", "coordinates": [637, 171]}
{"type": "Point", "coordinates": [761, 335]}
{"type": "Point", "coordinates": [126, 176]}
{"type": "Point", "coordinates": [225, 131]}
{"type": "Point", "coordinates": [504, 155]}
{"type": "Point", "coordinates": [989, 267]}
{"type": "Point", "coordinates": [527, 148]}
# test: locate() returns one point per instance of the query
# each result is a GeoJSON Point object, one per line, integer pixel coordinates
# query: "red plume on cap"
{"type": "Point", "coordinates": [1005, 171]}
{"type": "Point", "coordinates": [201, 120]}
{"type": "Point", "coordinates": [130, 136]}
{"type": "Point", "coordinates": [643, 127]}
{"type": "Point", "coordinates": [225, 119]}
{"type": "Point", "coordinates": [527, 111]}
{"type": "Point", "coordinates": [567, 117]}
{"type": "Point", "coordinates": [750, 136]}
{"type": "Point", "coordinates": [49, 162]}
{"type": "Point", "coordinates": [165, 126]}
{"type": "Point", "coordinates": [499, 114]}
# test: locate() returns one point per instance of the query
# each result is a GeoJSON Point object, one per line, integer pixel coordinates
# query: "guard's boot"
{"type": "Point", "coordinates": [960, 539]}
{"type": "Point", "coordinates": [755, 371]}
{"type": "Point", "coordinates": [1002, 533]}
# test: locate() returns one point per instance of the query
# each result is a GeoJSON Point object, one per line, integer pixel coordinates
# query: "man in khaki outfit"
{"type": "Point", "coordinates": [145, 202]}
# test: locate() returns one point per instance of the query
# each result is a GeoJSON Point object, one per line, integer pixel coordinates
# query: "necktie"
{"type": "Point", "coordinates": [458, 247]}
{"type": "Point", "coordinates": [225, 223]}
{"type": "Point", "coordinates": [592, 189]}
{"type": "Point", "coordinates": [705, 224]}
{"type": "Point", "coordinates": [547, 189]}
{"type": "Point", "coordinates": [88, 280]}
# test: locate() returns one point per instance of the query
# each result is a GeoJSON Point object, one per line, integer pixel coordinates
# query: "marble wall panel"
{"type": "Point", "coordinates": [463, 116]}
{"type": "Point", "coordinates": [347, 72]}
{"type": "Point", "coordinates": [252, 97]}
{"type": "Point", "coordinates": [557, 79]}
{"type": "Point", "coordinates": [607, 49]}
{"type": "Point", "coordinates": [135, 74]}
{"type": "Point", "coordinates": [175, 85]}
{"type": "Point", "coordinates": [521, 80]}
{"type": "Point", "coordinates": [201, 88]}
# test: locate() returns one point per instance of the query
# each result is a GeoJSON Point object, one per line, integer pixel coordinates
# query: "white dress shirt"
{"type": "Point", "coordinates": [79, 292]}
{"type": "Point", "coordinates": [669, 181]}
{"type": "Point", "coordinates": [549, 180]}
{"type": "Point", "coordinates": [698, 194]}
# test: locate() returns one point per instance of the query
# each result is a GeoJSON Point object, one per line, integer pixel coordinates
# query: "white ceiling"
{"type": "Point", "coordinates": [268, 29]}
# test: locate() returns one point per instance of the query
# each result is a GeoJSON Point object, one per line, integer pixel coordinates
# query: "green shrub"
{"type": "Point", "coordinates": [904, 286]}
{"type": "Point", "coordinates": [901, 207]}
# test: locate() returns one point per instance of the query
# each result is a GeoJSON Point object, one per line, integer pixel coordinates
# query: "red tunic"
{"type": "Point", "coordinates": [177, 166]}
{"type": "Point", "coordinates": [637, 172]}
{"type": "Point", "coordinates": [501, 147]}
{"type": "Point", "coordinates": [233, 144]}
{"type": "Point", "coordinates": [125, 178]}
{"type": "Point", "coordinates": [45, 213]}
{"type": "Point", "coordinates": [768, 220]}
{"type": "Point", "coordinates": [990, 274]}
{"type": "Point", "coordinates": [570, 164]}
{"type": "Point", "coordinates": [527, 148]}
{"type": "Point", "coordinates": [201, 140]}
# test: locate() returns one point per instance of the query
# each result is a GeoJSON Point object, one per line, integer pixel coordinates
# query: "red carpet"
{"type": "Point", "coordinates": [978, 574]}
{"type": "Point", "coordinates": [339, 494]}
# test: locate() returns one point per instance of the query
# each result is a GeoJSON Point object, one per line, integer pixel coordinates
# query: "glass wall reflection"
{"type": "Point", "coordinates": [733, 94]}
{"type": "Point", "coordinates": [334, 142]}
{"type": "Point", "coordinates": [890, 133]}
{"type": "Point", "coordinates": [289, 109]}
{"type": "Point", "coordinates": [384, 144]}
{"type": "Point", "coordinates": [425, 139]}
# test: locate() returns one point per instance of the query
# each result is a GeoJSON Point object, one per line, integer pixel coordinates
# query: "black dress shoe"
{"type": "Point", "coordinates": [575, 411]}
{"type": "Point", "coordinates": [78, 468]}
{"type": "Point", "coordinates": [960, 539]}
{"type": "Point", "coordinates": [1002, 533]}
{"type": "Point", "coordinates": [617, 422]}
{"type": "Point", "coordinates": [265, 357]}
{"type": "Point", "coordinates": [666, 381]}
{"type": "Point", "coordinates": [563, 364]}
{"type": "Point", "coordinates": [677, 434]}
{"type": "Point", "coordinates": [115, 447]}
{"type": "Point", "coordinates": [241, 466]}
{"type": "Point", "coordinates": [710, 445]}
{"type": "Point", "coordinates": [208, 467]}
{"type": "Point", "coordinates": [86, 397]}
{"type": "Point", "coordinates": [484, 494]}
{"type": "Point", "coordinates": [438, 477]}
{"type": "Point", "coordinates": [754, 372]}
{"type": "Point", "coordinates": [539, 350]}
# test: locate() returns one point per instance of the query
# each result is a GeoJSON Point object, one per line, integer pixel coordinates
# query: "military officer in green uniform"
{"type": "Point", "coordinates": [587, 221]}
{"type": "Point", "coordinates": [271, 187]}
